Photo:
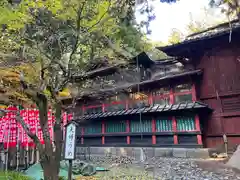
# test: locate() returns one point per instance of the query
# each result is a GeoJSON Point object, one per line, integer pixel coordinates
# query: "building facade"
{"type": "Point", "coordinates": [216, 52]}
{"type": "Point", "coordinates": [149, 103]}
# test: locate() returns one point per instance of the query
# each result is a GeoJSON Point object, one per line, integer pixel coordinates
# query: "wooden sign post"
{"type": "Point", "coordinates": [70, 145]}
{"type": "Point", "coordinates": [225, 140]}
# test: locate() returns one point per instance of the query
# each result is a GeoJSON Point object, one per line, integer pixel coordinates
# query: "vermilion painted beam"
{"type": "Point", "coordinates": [174, 127]}
{"type": "Point", "coordinates": [154, 140]}
{"type": "Point", "coordinates": [197, 125]}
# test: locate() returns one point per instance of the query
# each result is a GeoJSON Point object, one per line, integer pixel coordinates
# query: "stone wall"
{"type": "Point", "coordinates": [141, 154]}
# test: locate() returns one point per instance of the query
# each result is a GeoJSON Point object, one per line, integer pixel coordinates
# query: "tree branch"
{"type": "Point", "coordinates": [100, 19]}
{"type": "Point", "coordinates": [79, 14]}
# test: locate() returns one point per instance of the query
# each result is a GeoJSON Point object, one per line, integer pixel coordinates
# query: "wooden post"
{"type": "Point", "coordinates": [197, 125]}
{"type": "Point", "coordinates": [103, 132]}
{"type": "Point", "coordinates": [70, 170]}
{"type": "Point", "coordinates": [154, 141]}
{"type": "Point", "coordinates": [194, 94]}
{"type": "Point", "coordinates": [174, 127]}
{"type": "Point", "coordinates": [128, 131]}
{"type": "Point", "coordinates": [225, 140]}
{"type": "Point", "coordinates": [70, 145]}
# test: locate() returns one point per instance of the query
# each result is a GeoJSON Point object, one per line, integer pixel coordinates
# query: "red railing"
{"type": "Point", "coordinates": [168, 98]}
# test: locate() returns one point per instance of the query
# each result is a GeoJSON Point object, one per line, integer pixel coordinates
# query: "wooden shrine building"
{"type": "Point", "coordinates": [148, 103]}
{"type": "Point", "coordinates": [216, 51]}
{"type": "Point", "coordinates": [190, 100]}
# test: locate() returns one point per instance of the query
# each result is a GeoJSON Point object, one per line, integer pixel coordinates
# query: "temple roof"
{"type": "Point", "coordinates": [134, 86]}
{"type": "Point", "coordinates": [144, 110]}
{"type": "Point", "coordinates": [225, 29]}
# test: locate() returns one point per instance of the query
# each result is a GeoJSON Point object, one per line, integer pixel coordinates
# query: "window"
{"type": "Point", "coordinates": [163, 124]}
{"type": "Point", "coordinates": [145, 125]}
{"type": "Point", "coordinates": [185, 123]}
{"type": "Point", "coordinates": [161, 96]}
{"type": "Point", "coordinates": [93, 128]}
{"type": "Point", "coordinates": [183, 93]}
{"type": "Point", "coordinates": [138, 100]}
{"type": "Point", "coordinates": [115, 126]}
{"type": "Point", "coordinates": [182, 98]}
{"type": "Point", "coordinates": [182, 88]}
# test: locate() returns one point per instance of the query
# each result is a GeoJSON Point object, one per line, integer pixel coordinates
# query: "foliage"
{"type": "Point", "coordinates": [13, 175]}
{"type": "Point", "coordinates": [230, 7]}
{"type": "Point", "coordinates": [175, 37]}
{"type": "Point", "coordinates": [50, 40]}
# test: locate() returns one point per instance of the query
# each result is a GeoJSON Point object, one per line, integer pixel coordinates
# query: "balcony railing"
{"type": "Point", "coordinates": [170, 97]}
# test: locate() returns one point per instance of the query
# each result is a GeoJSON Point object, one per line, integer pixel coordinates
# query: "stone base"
{"type": "Point", "coordinates": [141, 154]}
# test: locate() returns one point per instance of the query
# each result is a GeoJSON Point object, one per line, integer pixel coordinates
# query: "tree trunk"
{"type": "Point", "coordinates": [50, 171]}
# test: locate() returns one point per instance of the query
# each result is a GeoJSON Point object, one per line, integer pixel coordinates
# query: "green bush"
{"type": "Point", "coordinates": [11, 175]}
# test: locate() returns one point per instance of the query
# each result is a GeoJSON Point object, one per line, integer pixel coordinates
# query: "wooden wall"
{"type": "Point", "coordinates": [220, 88]}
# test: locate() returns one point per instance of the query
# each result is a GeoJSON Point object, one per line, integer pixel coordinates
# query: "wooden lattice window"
{"type": "Point", "coordinates": [185, 123]}
{"type": "Point", "coordinates": [115, 126]}
{"type": "Point", "coordinates": [143, 125]}
{"type": "Point", "coordinates": [163, 124]}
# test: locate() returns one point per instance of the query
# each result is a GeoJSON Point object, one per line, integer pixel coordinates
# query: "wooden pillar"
{"type": "Point", "coordinates": [171, 96]}
{"type": "Point", "coordinates": [150, 99]}
{"type": "Point", "coordinates": [103, 107]}
{"type": "Point", "coordinates": [82, 133]}
{"type": "Point", "coordinates": [174, 121]}
{"type": "Point", "coordinates": [154, 140]}
{"type": "Point", "coordinates": [128, 131]}
{"type": "Point", "coordinates": [194, 94]}
{"type": "Point", "coordinates": [103, 132]}
{"type": "Point", "coordinates": [197, 125]}
{"type": "Point", "coordinates": [174, 127]}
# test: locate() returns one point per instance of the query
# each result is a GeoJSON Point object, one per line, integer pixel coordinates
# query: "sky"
{"type": "Point", "coordinates": [177, 15]}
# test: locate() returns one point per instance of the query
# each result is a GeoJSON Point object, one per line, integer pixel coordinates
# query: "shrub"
{"type": "Point", "coordinates": [11, 175]}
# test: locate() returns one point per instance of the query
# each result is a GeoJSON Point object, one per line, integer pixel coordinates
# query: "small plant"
{"type": "Point", "coordinates": [11, 175]}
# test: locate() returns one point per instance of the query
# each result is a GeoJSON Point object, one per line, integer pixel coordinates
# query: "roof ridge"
{"type": "Point", "coordinates": [213, 27]}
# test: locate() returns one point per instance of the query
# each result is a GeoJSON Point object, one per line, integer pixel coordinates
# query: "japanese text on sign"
{"type": "Point", "coordinates": [70, 141]}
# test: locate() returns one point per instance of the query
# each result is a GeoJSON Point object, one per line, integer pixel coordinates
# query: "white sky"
{"type": "Point", "coordinates": [176, 15]}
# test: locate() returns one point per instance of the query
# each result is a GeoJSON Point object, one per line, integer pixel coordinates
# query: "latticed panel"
{"type": "Point", "coordinates": [94, 128]}
{"type": "Point", "coordinates": [185, 123]}
{"type": "Point", "coordinates": [94, 110]}
{"type": "Point", "coordinates": [144, 125]}
{"type": "Point", "coordinates": [163, 124]}
{"type": "Point", "coordinates": [115, 126]}
{"type": "Point", "coordinates": [115, 107]}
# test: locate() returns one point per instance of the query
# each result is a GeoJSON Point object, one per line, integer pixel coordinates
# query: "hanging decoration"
{"type": "Point", "coordinates": [12, 133]}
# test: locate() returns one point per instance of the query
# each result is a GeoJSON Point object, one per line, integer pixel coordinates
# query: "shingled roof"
{"type": "Point", "coordinates": [192, 41]}
{"type": "Point", "coordinates": [145, 110]}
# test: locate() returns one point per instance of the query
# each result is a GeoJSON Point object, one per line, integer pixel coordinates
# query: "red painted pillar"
{"type": "Point", "coordinates": [171, 96]}
{"type": "Point", "coordinates": [174, 127]}
{"type": "Point", "coordinates": [194, 94]}
{"type": "Point", "coordinates": [126, 104]}
{"type": "Point", "coordinates": [174, 121]}
{"type": "Point", "coordinates": [103, 107]}
{"type": "Point", "coordinates": [128, 131]}
{"type": "Point", "coordinates": [150, 99]}
{"type": "Point", "coordinates": [197, 125]}
{"type": "Point", "coordinates": [154, 140]}
{"type": "Point", "coordinates": [103, 132]}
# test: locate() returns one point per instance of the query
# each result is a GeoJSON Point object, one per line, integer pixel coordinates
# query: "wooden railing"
{"type": "Point", "coordinates": [169, 98]}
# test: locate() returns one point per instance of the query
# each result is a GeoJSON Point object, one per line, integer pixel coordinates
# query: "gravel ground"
{"type": "Point", "coordinates": [172, 169]}
{"type": "Point", "coordinates": [190, 169]}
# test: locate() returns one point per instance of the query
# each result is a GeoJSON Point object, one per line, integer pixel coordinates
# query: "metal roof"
{"type": "Point", "coordinates": [152, 109]}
